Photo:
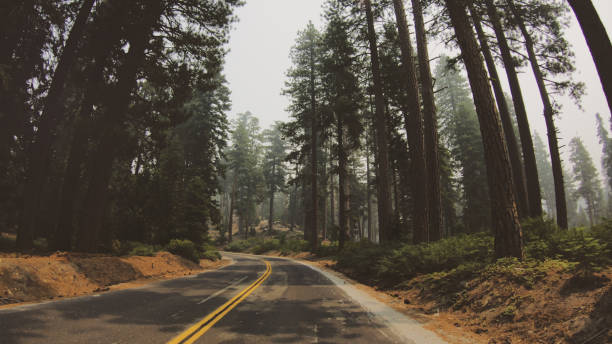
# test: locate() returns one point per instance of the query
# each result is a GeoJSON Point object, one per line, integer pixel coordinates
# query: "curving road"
{"type": "Point", "coordinates": [246, 302]}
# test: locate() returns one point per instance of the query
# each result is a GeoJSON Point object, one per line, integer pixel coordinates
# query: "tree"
{"type": "Point", "coordinates": [51, 116]}
{"type": "Point", "coordinates": [430, 125]}
{"type": "Point", "coordinates": [244, 161]}
{"type": "Point", "coordinates": [508, 234]}
{"type": "Point", "coordinates": [585, 175]}
{"type": "Point", "coordinates": [461, 134]}
{"type": "Point", "coordinates": [343, 99]}
{"type": "Point", "coordinates": [606, 143]}
{"type": "Point", "coordinates": [413, 121]}
{"type": "Point", "coordinates": [549, 112]}
{"type": "Point", "coordinates": [504, 112]}
{"type": "Point", "coordinates": [303, 89]}
{"type": "Point", "coordinates": [598, 41]}
{"type": "Point", "coordinates": [273, 165]}
{"type": "Point", "coordinates": [531, 169]}
{"type": "Point", "coordinates": [385, 210]}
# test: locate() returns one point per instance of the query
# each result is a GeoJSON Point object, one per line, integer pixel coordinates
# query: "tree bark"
{"type": "Point", "coordinates": [513, 149]}
{"type": "Point", "coordinates": [413, 121]}
{"type": "Point", "coordinates": [380, 119]}
{"type": "Point", "coordinates": [598, 41]}
{"type": "Point", "coordinates": [549, 113]}
{"type": "Point", "coordinates": [506, 225]}
{"type": "Point", "coordinates": [531, 169]}
{"type": "Point", "coordinates": [40, 150]}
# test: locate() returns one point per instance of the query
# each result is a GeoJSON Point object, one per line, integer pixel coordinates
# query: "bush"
{"type": "Point", "coordinates": [141, 249]}
{"type": "Point", "coordinates": [133, 248]}
{"type": "Point", "coordinates": [391, 266]}
{"type": "Point", "coordinates": [590, 248]}
{"type": "Point", "coordinates": [238, 246]}
{"type": "Point", "coordinates": [209, 252]}
{"type": "Point", "coordinates": [184, 248]}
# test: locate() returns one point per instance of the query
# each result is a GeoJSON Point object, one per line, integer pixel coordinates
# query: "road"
{"type": "Point", "coordinates": [253, 300]}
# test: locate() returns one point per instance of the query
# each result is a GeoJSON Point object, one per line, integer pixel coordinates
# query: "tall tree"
{"type": "Point", "coordinates": [549, 113]}
{"type": "Point", "coordinates": [414, 130]}
{"type": "Point", "coordinates": [598, 41]}
{"type": "Point", "coordinates": [508, 234]}
{"type": "Point", "coordinates": [385, 210]}
{"type": "Point", "coordinates": [585, 175]}
{"type": "Point", "coordinates": [430, 125]}
{"type": "Point", "coordinates": [303, 89]}
{"type": "Point", "coordinates": [344, 98]}
{"type": "Point", "coordinates": [52, 115]}
{"type": "Point", "coordinates": [461, 134]}
{"type": "Point", "coordinates": [504, 112]}
{"type": "Point", "coordinates": [531, 169]}
{"type": "Point", "coordinates": [273, 166]}
{"type": "Point", "coordinates": [245, 162]}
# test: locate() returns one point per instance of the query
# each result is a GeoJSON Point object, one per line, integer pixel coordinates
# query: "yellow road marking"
{"type": "Point", "coordinates": [196, 331]}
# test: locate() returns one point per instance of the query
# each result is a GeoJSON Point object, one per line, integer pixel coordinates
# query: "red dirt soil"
{"type": "Point", "coordinates": [25, 278]}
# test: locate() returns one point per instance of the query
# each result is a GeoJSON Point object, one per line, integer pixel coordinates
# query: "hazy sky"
{"type": "Point", "coordinates": [259, 58]}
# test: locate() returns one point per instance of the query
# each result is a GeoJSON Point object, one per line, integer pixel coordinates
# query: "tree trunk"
{"type": "Point", "coordinates": [52, 114]}
{"type": "Point", "coordinates": [413, 121]}
{"type": "Point", "coordinates": [230, 220]}
{"type": "Point", "coordinates": [531, 169]}
{"type": "Point", "coordinates": [270, 218]}
{"type": "Point", "coordinates": [513, 149]}
{"type": "Point", "coordinates": [598, 41]}
{"type": "Point", "coordinates": [97, 192]}
{"type": "Point", "coordinates": [313, 151]}
{"type": "Point", "coordinates": [508, 235]}
{"type": "Point", "coordinates": [380, 118]}
{"type": "Point", "coordinates": [430, 124]}
{"type": "Point", "coordinates": [549, 113]}
{"type": "Point", "coordinates": [369, 189]}
{"type": "Point", "coordinates": [343, 214]}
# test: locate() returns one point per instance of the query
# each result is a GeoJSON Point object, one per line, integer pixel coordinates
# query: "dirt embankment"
{"type": "Point", "coordinates": [36, 278]}
{"type": "Point", "coordinates": [504, 307]}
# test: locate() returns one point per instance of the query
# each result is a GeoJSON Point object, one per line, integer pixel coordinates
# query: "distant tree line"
{"type": "Point", "coordinates": [384, 147]}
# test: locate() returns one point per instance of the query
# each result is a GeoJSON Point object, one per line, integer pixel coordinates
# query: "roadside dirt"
{"type": "Point", "coordinates": [558, 308]}
{"type": "Point", "coordinates": [25, 278]}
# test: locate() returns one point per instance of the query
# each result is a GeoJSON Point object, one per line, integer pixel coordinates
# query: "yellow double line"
{"type": "Point", "coordinates": [196, 331]}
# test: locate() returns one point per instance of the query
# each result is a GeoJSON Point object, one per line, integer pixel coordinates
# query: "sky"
{"type": "Point", "coordinates": [258, 59]}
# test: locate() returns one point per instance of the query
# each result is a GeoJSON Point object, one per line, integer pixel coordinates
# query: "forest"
{"type": "Point", "coordinates": [114, 129]}
{"type": "Point", "coordinates": [408, 170]}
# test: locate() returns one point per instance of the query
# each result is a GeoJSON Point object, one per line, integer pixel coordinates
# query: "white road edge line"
{"type": "Point", "coordinates": [402, 325]}
{"type": "Point", "coordinates": [222, 290]}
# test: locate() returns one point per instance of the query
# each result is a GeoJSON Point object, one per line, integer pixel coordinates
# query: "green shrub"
{"type": "Point", "coordinates": [209, 252]}
{"type": "Point", "coordinates": [590, 254]}
{"type": "Point", "coordinates": [238, 246]}
{"type": "Point", "coordinates": [184, 248]}
{"type": "Point", "coordinates": [141, 249]}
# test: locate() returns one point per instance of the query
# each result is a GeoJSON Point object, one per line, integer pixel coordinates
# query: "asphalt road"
{"type": "Point", "coordinates": [294, 304]}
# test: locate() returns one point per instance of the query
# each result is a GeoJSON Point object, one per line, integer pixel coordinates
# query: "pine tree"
{"type": "Point", "coordinates": [585, 175]}
{"type": "Point", "coordinates": [508, 234]}
{"type": "Point", "coordinates": [273, 166]}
